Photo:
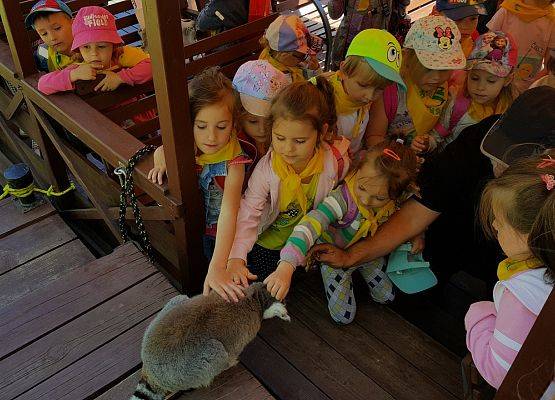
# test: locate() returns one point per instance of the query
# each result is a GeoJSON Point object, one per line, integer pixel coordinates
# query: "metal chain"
{"type": "Point", "coordinates": [128, 194]}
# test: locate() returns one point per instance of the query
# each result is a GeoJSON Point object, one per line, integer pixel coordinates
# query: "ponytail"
{"type": "Point", "coordinates": [542, 236]}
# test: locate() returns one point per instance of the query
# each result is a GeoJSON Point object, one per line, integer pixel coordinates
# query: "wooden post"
{"type": "Point", "coordinates": [163, 26]}
{"type": "Point", "coordinates": [22, 54]}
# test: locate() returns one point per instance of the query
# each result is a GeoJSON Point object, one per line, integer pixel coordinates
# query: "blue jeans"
{"type": "Point", "coordinates": [208, 245]}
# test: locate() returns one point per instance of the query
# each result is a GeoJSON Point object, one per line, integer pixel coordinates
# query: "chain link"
{"type": "Point", "coordinates": [128, 195]}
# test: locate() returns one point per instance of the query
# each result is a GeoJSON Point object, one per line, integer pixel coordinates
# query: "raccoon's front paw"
{"type": "Point", "coordinates": [277, 309]}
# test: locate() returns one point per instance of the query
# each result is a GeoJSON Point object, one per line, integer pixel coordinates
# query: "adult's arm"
{"type": "Point", "coordinates": [409, 221]}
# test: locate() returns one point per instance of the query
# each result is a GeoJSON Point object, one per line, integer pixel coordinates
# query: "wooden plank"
{"type": "Point", "coordinates": [430, 357]}
{"type": "Point", "coordinates": [387, 368]}
{"type": "Point", "coordinates": [63, 347]}
{"type": "Point", "coordinates": [236, 383]}
{"type": "Point", "coordinates": [320, 362]}
{"type": "Point", "coordinates": [44, 310]}
{"type": "Point", "coordinates": [123, 389]}
{"type": "Point", "coordinates": [33, 241]}
{"type": "Point", "coordinates": [41, 271]}
{"type": "Point", "coordinates": [264, 363]}
{"type": "Point", "coordinates": [101, 368]}
{"type": "Point", "coordinates": [14, 220]}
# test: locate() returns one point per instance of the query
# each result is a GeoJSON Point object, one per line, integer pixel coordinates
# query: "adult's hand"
{"type": "Point", "coordinates": [330, 255]}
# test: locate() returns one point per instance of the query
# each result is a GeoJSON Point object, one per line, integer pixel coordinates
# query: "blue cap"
{"type": "Point", "coordinates": [42, 6]}
{"type": "Point", "coordinates": [459, 9]}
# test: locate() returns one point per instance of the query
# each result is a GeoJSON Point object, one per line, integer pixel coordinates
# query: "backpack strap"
{"type": "Point", "coordinates": [340, 160]}
{"type": "Point", "coordinates": [390, 102]}
{"type": "Point", "coordinates": [459, 109]}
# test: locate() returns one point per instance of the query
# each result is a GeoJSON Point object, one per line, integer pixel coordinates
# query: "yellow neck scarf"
{"type": "Point", "coordinates": [371, 219]}
{"type": "Point", "coordinates": [507, 268]}
{"type": "Point", "coordinates": [58, 61]}
{"type": "Point", "coordinates": [344, 105]}
{"type": "Point", "coordinates": [290, 187]}
{"type": "Point", "coordinates": [295, 72]}
{"type": "Point", "coordinates": [231, 150]}
{"type": "Point", "coordinates": [467, 45]}
{"type": "Point", "coordinates": [425, 110]}
{"type": "Point", "coordinates": [480, 111]}
{"type": "Point", "coordinates": [363, 5]}
{"type": "Point", "coordinates": [526, 12]}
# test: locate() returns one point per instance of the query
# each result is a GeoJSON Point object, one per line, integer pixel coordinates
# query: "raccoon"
{"type": "Point", "coordinates": [192, 340]}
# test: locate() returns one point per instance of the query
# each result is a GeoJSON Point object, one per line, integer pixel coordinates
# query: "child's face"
{"type": "Point", "coordinates": [513, 243]}
{"type": "Point", "coordinates": [372, 188]}
{"type": "Point", "coordinates": [253, 125]}
{"type": "Point", "coordinates": [295, 141]}
{"type": "Point", "coordinates": [432, 79]}
{"type": "Point", "coordinates": [484, 87]}
{"type": "Point", "coordinates": [55, 31]}
{"type": "Point", "coordinates": [98, 54]}
{"type": "Point", "coordinates": [467, 25]}
{"type": "Point", "coordinates": [357, 87]}
{"type": "Point", "coordinates": [212, 127]}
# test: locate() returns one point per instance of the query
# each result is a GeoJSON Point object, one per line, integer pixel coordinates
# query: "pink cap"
{"type": "Point", "coordinates": [94, 24]}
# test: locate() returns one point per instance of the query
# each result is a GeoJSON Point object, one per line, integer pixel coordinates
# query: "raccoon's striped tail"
{"type": "Point", "coordinates": [145, 391]}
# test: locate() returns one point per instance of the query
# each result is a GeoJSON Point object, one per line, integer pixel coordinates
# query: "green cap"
{"type": "Point", "coordinates": [381, 51]}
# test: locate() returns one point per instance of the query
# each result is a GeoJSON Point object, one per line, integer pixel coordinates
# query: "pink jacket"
{"type": "Point", "coordinates": [495, 331]}
{"type": "Point", "coordinates": [259, 205]}
{"type": "Point", "coordinates": [59, 81]}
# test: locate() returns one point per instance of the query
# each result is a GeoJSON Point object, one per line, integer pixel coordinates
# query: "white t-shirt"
{"type": "Point", "coordinates": [345, 124]}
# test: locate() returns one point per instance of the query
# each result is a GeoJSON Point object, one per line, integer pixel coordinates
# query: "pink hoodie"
{"type": "Point", "coordinates": [259, 205]}
{"type": "Point", "coordinates": [496, 330]}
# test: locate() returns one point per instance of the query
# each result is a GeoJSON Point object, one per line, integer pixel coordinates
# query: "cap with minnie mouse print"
{"type": "Point", "coordinates": [436, 42]}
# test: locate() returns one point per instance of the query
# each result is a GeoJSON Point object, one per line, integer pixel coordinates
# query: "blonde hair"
{"type": "Point", "coordinates": [522, 199]}
{"type": "Point", "coordinates": [354, 65]}
{"type": "Point", "coordinates": [305, 101]}
{"type": "Point", "coordinates": [411, 67]}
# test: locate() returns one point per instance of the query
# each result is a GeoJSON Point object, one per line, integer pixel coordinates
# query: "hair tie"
{"type": "Point", "coordinates": [546, 162]}
{"type": "Point", "coordinates": [401, 141]}
{"type": "Point", "coordinates": [392, 154]}
{"type": "Point", "coordinates": [549, 181]}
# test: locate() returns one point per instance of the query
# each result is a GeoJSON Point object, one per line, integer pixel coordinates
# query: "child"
{"type": "Point", "coordinates": [95, 36]}
{"type": "Point", "coordinates": [297, 173]}
{"type": "Point", "coordinates": [290, 48]}
{"type": "Point", "coordinates": [465, 14]}
{"type": "Point", "coordinates": [352, 211]}
{"type": "Point", "coordinates": [257, 82]}
{"type": "Point", "coordinates": [359, 15]}
{"type": "Point", "coordinates": [373, 62]}
{"type": "Point", "coordinates": [214, 108]}
{"type": "Point", "coordinates": [518, 209]}
{"type": "Point", "coordinates": [532, 24]}
{"type": "Point", "coordinates": [486, 91]}
{"type": "Point", "coordinates": [51, 19]}
{"type": "Point", "coordinates": [432, 50]}
{"type": "Point", "coordinates": [549, 79]}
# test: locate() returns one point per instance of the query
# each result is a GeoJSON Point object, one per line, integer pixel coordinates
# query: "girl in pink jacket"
{"type": "Point", "coordinates": [96, 37]}
{"type": "Point", "coordinates": [519, 209]}
{"type": "Point", "coordinates": [298, 172]}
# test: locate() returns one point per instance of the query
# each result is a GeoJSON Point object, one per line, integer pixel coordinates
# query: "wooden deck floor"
{"type": "Point", "coordinates": [71, 326]}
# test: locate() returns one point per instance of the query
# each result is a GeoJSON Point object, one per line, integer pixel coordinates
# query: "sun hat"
{"type": "Point", "coordinates": [436, 41]}
{"type": "Point", "coordinates": [459, 9]}
{"type": "Point", "coordinates": [381, 51]}
{"type": "Point", "coordinates": [257, 83]}
{"type": "Point", "coordinates": [526, 129]}
{"type": "Point", "coordinates": [289, 33]}
{"type": "Point", "coordinates": [43, 6]}
{"type": "Point", "coordinates": [94, 24]}
{"type": "Point", "coordinates": [409, 272]}
{"type": "Point", "coordinates": [496, 58]}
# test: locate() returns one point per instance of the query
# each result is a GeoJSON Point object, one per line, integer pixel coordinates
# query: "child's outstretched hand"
{"type": "Point", "coordinates": [110, 82]}
{"type": "Point", "coordinates": [239, 272]}
{"type": "Point", "coordinates": [421, 144]}
{"type": "Point", "coordinates": [279, 281]}
{"type": "Point", "coordinates": [84, 72]}
{"type": "Point", "coordinates": [156, 174]}
{"type": "Point", "coordinates": [220, 281]}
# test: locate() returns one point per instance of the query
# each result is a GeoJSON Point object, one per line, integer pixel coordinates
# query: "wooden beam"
{"type": "Point", "coordinates": [148, 213]}
{"type": "Point", "coordinates": [13, 106]}
{"type": "Point", "coordinates": [163, 24]}
{"type": "Point", "coordinates": [22, 54]}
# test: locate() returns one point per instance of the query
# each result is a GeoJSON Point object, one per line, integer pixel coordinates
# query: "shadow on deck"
{"type": "Point", "coordinates": [71, 328]}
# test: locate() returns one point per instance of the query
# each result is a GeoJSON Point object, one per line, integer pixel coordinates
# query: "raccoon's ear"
{"type": "Point", "coordinates": [277, 309]}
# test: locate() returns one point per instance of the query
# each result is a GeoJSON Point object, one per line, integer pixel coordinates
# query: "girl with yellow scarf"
{"type": "Point", "coordinates": [298, 172]}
